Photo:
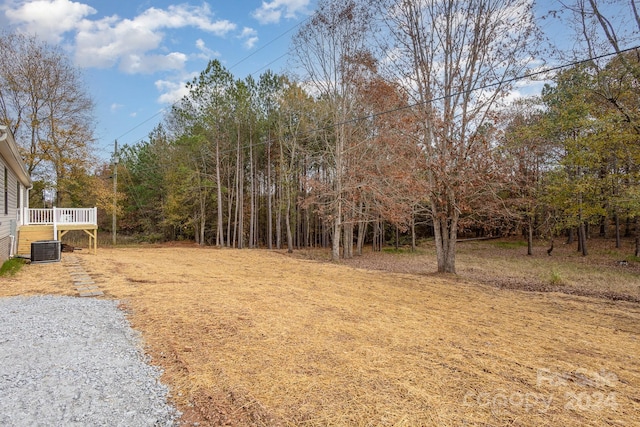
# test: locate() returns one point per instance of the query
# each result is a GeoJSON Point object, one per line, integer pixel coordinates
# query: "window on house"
{"type": "Point", "coordinates": [18, 195]}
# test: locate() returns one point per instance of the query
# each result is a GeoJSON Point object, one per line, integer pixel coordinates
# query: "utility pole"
{"type": "Point", "coordinates": [115, 190]}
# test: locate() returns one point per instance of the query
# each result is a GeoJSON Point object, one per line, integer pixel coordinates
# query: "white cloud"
{"type": "Point", "coordinates": [250, 37]}
{"type": "Point", "coordinates": [103, 43]}
{"type": "Point", "coordinates": [250, 42]}
{"type": "Point", "coordinates": [115, 107]}
{"type": "Point", "coordinates": [270, 12]}
{"type": "Point", "coordinates": [132, 44]}
{"type": "Point", "coordinates": [172, 91]}
{"type": "Point", "coordinates": [181, 16]}
{"type": "Point", "coordinates": [205, 52]}
{"type": "Point", "coordinates": [50, 19]}
{"type": "Point", "coordinates": [149, 64]}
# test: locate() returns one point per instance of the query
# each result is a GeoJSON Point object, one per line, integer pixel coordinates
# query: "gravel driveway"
{"type": "Point", "coordinates": [68, 361]}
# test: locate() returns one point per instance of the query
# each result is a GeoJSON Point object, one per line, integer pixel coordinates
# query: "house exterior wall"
{"type": "Point", "coordinates": [14, 182]}
{"type": "Point", "coordinates": [5, 249]}
{"type": "Point", "coordinates": [8, 208]}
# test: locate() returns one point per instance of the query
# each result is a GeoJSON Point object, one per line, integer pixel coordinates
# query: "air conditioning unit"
{"type": "Point", "coordinates": [45, 251]}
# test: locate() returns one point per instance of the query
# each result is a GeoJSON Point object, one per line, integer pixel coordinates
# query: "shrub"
{"type": "Point", "coordinates": [556, 278]}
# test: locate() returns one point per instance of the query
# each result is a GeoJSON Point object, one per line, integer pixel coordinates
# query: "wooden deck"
{"type": "Point", "coordinates": [33, 233]}
{"type": "Point", "coordinates": [52, 224]}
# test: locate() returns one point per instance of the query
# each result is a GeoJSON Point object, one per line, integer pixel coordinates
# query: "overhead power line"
{"type": "Point", "coordinates": [526, 76]}
{"type": "Point", "coordinates": [261, 48]}
{"type": "Point", "coordinates": [487, 86]}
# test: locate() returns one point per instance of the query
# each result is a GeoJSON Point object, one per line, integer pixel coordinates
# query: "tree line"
{"type": "Point", "coordinates": [398, 125]}
{"type": "Point", "coordinates": [350, 154]}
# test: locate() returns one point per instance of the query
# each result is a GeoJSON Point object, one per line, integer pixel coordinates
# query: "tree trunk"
{"type": "Point", "coordinates": [269, 207]}
{"type": "Point", "coordinates": [236, 212]}
{"type": "Point", "coordinates": [413, 232]}
{"type": "Point", "coordinates": [287, 220]}
{"type": "Point", "coordinates": [617, 221]}
{"type": "Point", "coordinates": [397, 238]}
{"type": "Point", "coordinates": [362, 231]}
{"type": "Point", "coordinates": [196, 226]}
{"type": "Point", "coordinates": [530, 238]}
{"type": "Point", "coordinates": [569, 236]}
{"type": "Point", "coordinates": [230, 196]}
{"type": "Point", "coordinates": [203, 219]}
{"type": "Point", "coordinates": [579, 240]}
{"type": "Point", "coordinates": [337, 219]}
{"type": "Point", "coordinates": [256, 207]}
{"type": "Point", "coordinates": [374, 243]}
{"type": "Point", "coordinates": [200, 218]}
{"type": "Point", "coordinates": [446, 234]}
{"type": "Point", "coordinates": [220, 226]}
{"type": "Point", "coordinates": [347, 251]}
{"type": "Point", "coordinates": [603, 227]}
{"type": "Point", "coordinates": [582, 237]}
{"type": "Point", "coordinates": [279, 210]}
{"type": "Point", "coordinates": [240, 201]}
{"type": "Point", "coordinates": [337, 210]}
{"type": "Point", "coordinates": [307, 229]}
{"type": "Point", "coordinates": [335, 243]}
{"type": "Point", "coordinates": [252, 213]}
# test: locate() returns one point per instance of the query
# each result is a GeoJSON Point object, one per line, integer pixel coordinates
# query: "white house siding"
{"type": "Point", "coordinates": [15, 173]}
{"type": "Point", "coordinates": [7, 218]}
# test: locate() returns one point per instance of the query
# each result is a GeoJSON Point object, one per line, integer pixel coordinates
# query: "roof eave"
{"type": "Point", "coordinates": [9, 151]}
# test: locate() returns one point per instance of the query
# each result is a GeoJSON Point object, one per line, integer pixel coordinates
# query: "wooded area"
{"type": "Point", "coordinates": [353, 151]}
{"type": "Point", "coordinates": [399, 127]}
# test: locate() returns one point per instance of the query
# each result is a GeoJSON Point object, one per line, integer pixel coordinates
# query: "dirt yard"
{"type": "Point", "coordinates": [251, 337]}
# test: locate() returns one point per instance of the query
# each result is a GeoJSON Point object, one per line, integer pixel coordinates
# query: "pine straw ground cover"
{"type": "Point", "coordinates": [251, 337]}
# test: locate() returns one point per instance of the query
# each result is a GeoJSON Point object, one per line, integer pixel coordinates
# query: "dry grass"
{"type": "Point", "coordinates": [261, 338]}
{"type": "Point", "coordinates": [38, 279]}
{"type": "Point", "coordinates": [504, 264]}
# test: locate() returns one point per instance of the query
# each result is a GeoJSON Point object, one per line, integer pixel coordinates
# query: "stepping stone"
{"type": "Point", "coordinates": [91, 293]}
{"type": "Point", "coordinates": [83, 282]}
{"type": "Point", "coordinates": [89, 288]}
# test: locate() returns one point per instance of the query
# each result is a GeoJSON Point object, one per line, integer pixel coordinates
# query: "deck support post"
{"type": "Point", "coordinates": [55, 224]}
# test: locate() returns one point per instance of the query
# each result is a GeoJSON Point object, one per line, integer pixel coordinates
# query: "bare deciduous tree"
{"type": "Point", "coordinates": [324, 48]}
{"type": "Point", "coordinates": [43, 101]}
{"type": "Point", "coordinates": [455, 58]}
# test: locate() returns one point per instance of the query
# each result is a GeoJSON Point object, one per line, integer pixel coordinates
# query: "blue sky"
{"type": "Point", "coordinates": [136, 56]}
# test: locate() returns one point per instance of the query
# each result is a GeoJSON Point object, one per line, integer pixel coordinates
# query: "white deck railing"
{"type": "Point", "coordinates": [58, 216]}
